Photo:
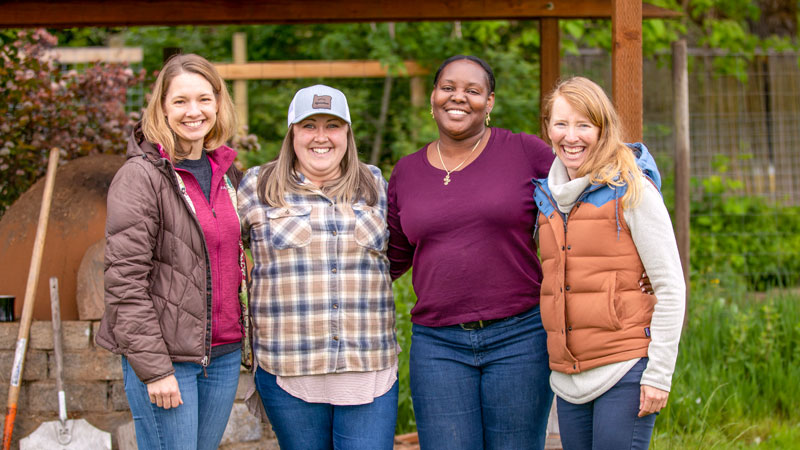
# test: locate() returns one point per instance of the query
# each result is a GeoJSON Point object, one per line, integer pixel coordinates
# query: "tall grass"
{"type": "Point", "coordinates": [737, 380]}
{"type": "Point", "coordinates": [738, 372]}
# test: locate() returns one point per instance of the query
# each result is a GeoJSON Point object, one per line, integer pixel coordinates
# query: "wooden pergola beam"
{"type": "Point", "coordinates": [626, 66]}
{"type": "Point", "coordinates": [96, 13]}
{"type": "Point", "coordinates": [279, 70]}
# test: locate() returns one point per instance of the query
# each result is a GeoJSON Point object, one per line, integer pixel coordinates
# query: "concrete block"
{"type": "Point", "coordinates": [34, 368]}
{"type": "Point", "coordinates": [95, 330]}
{"type": "Point", "coordinates": [245, 382]}
{"type": "Point", "coordinates": [92, 396]}
{"type": "Point", "coordinates": [125, 437]}
{"type": "Point", "coordinates": [8, 335]}
{"type": "Point", "coordinates": [242, 426]}
{"type": "Point", "coordinates": [89, 365]}
{"type": "Point", "coordinates": [75, 334]}
{"type": "Point", "coordinates": [119, 401]}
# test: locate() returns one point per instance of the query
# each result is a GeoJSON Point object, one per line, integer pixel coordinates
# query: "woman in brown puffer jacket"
{"type": "Point", "coordinates": [174, 265]}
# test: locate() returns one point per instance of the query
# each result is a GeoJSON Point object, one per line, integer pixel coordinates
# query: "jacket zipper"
{"type": "Point", "coordinates": [206, 360]}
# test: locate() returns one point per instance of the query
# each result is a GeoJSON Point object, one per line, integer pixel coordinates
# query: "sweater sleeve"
{"type": "Point", "coordinates": [132, 226]}
{"type": "Point", "coordinates": [401, 251]}
{"type": "Point", "coordinates": [651, 230]}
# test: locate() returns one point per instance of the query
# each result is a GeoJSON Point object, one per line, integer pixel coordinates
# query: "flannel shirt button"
{"type": "Point", "coordinates": [333, 270]}
{"type": "Point", "coordinates": [335, 338]}
{"type": "Point", "coordinates": [335, 306]}
{"type": "Point", "coordinates": [333, 232]}
{"type": "Point", "coordinates": [567, 288]}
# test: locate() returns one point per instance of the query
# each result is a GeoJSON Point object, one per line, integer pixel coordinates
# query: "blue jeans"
{"type": "Point", "coordinates": [610, 421]}
{"type": "Point", "coordinates": [201, 420]}
{"type": "Point", "coordinates": [481, 389]}
{"type": "Point", "coordinates": [300, 425]}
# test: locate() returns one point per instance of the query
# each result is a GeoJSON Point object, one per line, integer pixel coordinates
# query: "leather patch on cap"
{"type": "Point", "coordinates": [321, 102]}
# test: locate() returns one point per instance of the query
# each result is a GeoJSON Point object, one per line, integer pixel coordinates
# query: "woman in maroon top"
{"type": "Point", "coordinates": [461, 211]}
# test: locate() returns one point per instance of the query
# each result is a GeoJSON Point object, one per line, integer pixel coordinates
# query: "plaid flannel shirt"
{"type": "Point", "coordinates": [321, 298]}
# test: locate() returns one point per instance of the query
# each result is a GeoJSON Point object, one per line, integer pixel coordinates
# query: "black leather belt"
{"type": "Point", "coordinates": [478, 324]}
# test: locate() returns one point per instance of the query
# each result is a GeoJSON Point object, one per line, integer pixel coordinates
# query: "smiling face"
{"type": "Point", "coordinates": [320, 143]}
{"type": "Point", "coordinates": [573, 135]}
{"type": "Point", "coordinates": [191, 110]}
{"type": "Point", "coordinates": [461, 99]}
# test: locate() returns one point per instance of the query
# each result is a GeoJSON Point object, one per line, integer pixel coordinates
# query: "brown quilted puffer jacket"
{"type": "Point", "coordinates": [157, 282]}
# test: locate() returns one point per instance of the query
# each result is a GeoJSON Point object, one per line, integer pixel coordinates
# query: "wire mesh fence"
{"type": "Point", "coordinates": [745, 161]}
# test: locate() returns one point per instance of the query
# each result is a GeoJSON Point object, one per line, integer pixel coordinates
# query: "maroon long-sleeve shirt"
{"type": "Point", "coordinates": [470, 242]}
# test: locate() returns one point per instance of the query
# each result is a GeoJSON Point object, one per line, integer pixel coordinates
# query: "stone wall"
{"type": "Point", "coordinates": [94, 388]}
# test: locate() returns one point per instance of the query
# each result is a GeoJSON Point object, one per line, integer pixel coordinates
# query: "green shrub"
{"type": "Point", "coordinates": [44, 107]}
{"type": "Point", "coordinates": [741, 239]}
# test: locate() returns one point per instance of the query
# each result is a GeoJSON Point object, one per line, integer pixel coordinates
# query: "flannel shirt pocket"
{"type": "Point", "coordinates": [371, 230]}
{"type": "Point", "coordinates": [290, 227]}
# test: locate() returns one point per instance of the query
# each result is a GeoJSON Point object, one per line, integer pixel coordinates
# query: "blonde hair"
{"type": "Point", "coordinates": [154, 123]}
{"type": "Point", "coordinates": [278, 177]}
{"type": "Point", "coordinates": [611, 162]}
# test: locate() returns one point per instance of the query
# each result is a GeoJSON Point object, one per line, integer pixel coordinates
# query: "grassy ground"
{"type": "Point", "coordinates": [736, 381]}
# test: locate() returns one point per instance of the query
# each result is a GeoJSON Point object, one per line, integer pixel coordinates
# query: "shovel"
{"type": "Point", "coordinates": [63, 433]}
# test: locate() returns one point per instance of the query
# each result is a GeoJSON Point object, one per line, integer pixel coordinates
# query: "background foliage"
{"type": "Point", "coordinates": [43, 107]}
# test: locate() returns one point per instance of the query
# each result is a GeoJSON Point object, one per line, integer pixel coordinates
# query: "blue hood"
{"type": "Point", "coordinates": [646, 162]}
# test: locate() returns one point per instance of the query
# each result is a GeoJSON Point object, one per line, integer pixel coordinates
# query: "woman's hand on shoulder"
{"type": "Point", "coordinates": [651, 400]}
{"type": "Point", "coordinates": [165, 392]}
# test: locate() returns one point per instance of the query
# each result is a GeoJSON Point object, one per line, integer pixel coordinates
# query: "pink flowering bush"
{"type": "Point", "coordinates": [44, 107]}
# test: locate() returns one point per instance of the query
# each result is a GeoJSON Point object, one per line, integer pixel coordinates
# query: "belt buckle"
{"type": "Point", "coordinates": [474, 325]}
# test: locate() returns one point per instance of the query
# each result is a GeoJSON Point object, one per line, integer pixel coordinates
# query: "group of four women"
{"type": "Point", "coordinates": [327, 235]}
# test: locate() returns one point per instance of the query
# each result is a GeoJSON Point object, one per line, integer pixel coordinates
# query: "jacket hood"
{"type": "Point", "coordinates": [139, 147]}
{"type": "Point", "coordinates": [646, 162]}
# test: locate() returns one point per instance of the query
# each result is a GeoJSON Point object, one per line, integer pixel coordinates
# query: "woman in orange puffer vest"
{"type": "Point", "coordinates": [602, 223]}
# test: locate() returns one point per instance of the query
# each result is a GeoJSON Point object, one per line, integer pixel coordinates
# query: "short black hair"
{"type": "Point", "coordinates": [484, 65]}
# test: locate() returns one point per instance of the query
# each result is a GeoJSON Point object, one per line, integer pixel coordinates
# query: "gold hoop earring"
{"type": "Point", "coordinates": [488, 119]}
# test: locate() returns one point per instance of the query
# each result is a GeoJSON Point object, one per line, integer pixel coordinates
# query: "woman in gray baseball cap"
{"type": "Point", "coordinates": [322, 306]}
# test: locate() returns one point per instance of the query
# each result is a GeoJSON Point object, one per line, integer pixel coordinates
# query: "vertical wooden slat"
{"type": "Point", "coordinates": [549, 58]}
{"type": "Point", "coordinates": [240, 86]}
{"type": "Point", "coordinates": [680, 89]}
{"type": "Point", "coordinates": [626, 65]}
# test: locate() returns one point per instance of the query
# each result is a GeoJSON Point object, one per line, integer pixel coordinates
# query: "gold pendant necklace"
{"type": "Point", "coordinates": [447, 177]}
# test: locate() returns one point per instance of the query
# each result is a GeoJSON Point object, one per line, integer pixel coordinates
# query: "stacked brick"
{"type": "Point", "coordinates": [94, 388]}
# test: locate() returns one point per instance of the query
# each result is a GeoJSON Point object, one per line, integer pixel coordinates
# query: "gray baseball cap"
{"type": "Point", "coordinates": [318, 99]}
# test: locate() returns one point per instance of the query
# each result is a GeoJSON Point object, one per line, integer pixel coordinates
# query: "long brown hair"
{"type": "Point", "coordinates": [154, 123]}
{"type": "Point", "coordinates": [611, 162]}
{"type": "Point", "coordinates": [276, 178]}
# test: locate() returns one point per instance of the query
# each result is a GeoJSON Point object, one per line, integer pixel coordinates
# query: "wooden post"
{"type": "Point", "coordinates": [680, 89]}
{"type": "Point", "coordinates": [168, 52]}
{"type": "Point", "coordinates": [240, 86]}
{"type": "Point", "coordinates": [417, 85]}
{"type": "Point", "coordinates": [626, 65]}
{"type": "Point", "coordinates": [549, 60]}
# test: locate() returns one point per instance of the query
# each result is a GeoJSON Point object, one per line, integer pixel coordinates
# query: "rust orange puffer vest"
{"type": "Point", "coordinates": [592, 307]}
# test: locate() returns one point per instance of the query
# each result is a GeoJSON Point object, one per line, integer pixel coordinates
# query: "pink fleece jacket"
{"type": "Point", "coordinates": [221, 230]}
